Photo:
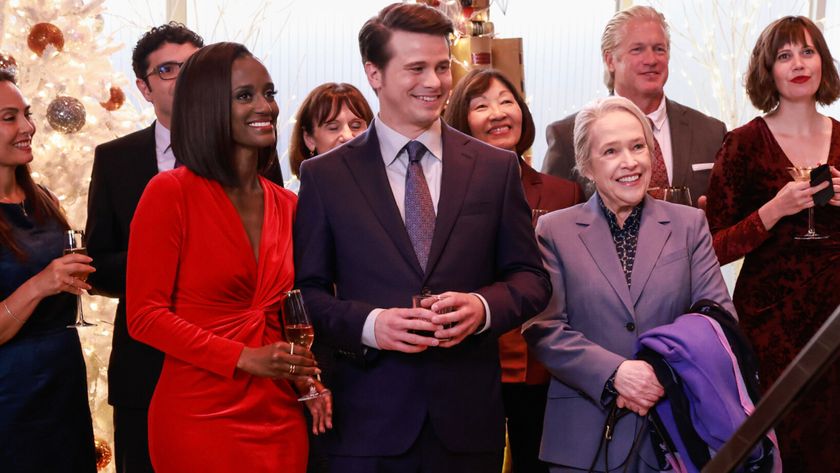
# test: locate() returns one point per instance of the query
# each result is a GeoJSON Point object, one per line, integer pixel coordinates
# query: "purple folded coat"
{"type": "Point", "coordinates": [695, 347]}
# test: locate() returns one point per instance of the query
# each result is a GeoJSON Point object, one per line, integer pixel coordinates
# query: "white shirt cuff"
{"type": "Point", "coordinates": [368, 330]}
{"type": "Point", "coordinates": [486, 313]}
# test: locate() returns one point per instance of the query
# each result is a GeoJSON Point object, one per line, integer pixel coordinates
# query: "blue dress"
{"type": "Point", "coordinates": [45, 423]}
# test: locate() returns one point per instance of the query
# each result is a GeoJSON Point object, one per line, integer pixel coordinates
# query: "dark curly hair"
{"type": "Point", "coordinates": [172, 32]}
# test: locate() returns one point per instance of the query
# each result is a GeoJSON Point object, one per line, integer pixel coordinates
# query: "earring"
{"type": "Point", "coordinates": [312, 153]}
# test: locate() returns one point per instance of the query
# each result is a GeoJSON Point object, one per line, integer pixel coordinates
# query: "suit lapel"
{"type": "Point", "coordinates": [368, 170]}
{"type": "Point", "coordinates": [652, 238]}
{"type": "Point", "coordinates": [147, 157]}
{"type": "Point", "coordinates": [598, 241]}
{"type": "Point", "coordinates": [458, 166]}
{"type": "Point", "coordinates": [531, 183]}
{"type": "Point", "coordinates": [680, 143]}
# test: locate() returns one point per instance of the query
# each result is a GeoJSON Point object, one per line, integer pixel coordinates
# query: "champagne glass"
{"type": "Point", "coordinates": [299, 330]}
{"type": "Point", "coordinates": [803, 174]}
{"type": "Point", "coordinates": [677, 195]}
{"type": "Point", "coordinates": [74, 243]}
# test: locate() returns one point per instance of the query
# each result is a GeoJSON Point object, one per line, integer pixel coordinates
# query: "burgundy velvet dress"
{"type": "Point", "coordinates": [787, 288]}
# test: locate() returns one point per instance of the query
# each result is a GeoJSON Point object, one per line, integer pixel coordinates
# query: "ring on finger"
{"type": "Point", "coordinates": [292, 369]}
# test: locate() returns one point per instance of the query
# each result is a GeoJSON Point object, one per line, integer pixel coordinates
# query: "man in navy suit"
{"type": "Point", "coordinates": [414, 206]}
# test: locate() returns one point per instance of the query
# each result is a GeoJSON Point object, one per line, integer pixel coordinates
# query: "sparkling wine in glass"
{"type": "Point", "coordinates": [74, 243]}
{"type": "Point", "coordinates": [803, 174]}
{"type": "Point", "coordinates": [299, 331]}
{"type": "Point", "coordinates": [677, 195]}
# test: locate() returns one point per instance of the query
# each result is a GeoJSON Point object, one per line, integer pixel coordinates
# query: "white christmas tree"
{"type": "Point", "coordinates": [61, 57]}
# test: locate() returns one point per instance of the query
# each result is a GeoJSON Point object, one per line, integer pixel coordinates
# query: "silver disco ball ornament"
{"type": "Point", "coordinates": [66, 114]}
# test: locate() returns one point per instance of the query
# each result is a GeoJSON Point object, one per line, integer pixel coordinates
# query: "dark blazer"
{"type": "Point", "coordinates": [695, 139]}
{"type": "Point", "coordinates": [349, 236]}
{"type": "Point", "coordinates": [121, 170]}
{"type": "Point", "coordinates": [594, 320]}
{"type": "Point", "coordinates": [543, 191]}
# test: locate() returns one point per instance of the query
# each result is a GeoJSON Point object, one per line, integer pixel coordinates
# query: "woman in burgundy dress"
{"type": "Point", "coordinates": [209, 259]}
{"type": "Point", "coordinates": [787, 287]}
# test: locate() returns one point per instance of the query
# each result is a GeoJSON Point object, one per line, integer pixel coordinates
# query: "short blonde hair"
{"type": "Point", "coordinates": [616, 28]}
{"type": "Point", "coordinates": [592, 112]}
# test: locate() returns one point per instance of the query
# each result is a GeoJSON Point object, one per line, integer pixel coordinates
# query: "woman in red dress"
{"type": "Point", "coordinates": [787, 287]}
{"type": "Point", "coordinates": [209, 259]}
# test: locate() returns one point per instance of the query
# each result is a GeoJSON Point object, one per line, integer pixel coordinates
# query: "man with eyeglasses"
{"type": "Point", "coordinates": [121, 170]}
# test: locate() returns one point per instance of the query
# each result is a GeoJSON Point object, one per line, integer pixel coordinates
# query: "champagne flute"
{"type": "Point", "coordinates": [803, 174]}
{"type": "Point", "coordinates": [677, 195]}
{"type": "Point", "coordinates": [74, 243]}
{"type": "Point", "coordinates": [299, 330]}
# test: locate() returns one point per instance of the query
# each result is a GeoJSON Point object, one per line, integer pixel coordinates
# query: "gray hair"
{"type": "Point", "coordinates": [616, 28]}
{"type": "Point", "coordinates": [592, 112]}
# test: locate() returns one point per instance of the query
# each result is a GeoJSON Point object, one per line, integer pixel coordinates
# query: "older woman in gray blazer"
{"type": "Point", "coordinates": [620, 264]}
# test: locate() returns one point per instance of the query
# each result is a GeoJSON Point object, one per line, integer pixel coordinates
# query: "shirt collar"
{"type": "Point", "coordinates": [659, 115]}
{"type": "Point", "coordinates": [391, 142]}
{"type": "Point", "coordinates": [631, 224]}
{"type": "Point", "coordinates": [162, 138]}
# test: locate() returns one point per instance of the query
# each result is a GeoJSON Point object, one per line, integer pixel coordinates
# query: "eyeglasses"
{"type": "Point", "coordinates": [166, 71]}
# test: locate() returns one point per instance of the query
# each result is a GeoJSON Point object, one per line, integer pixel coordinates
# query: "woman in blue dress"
{"type": "Point", "coordinates": [45, 423]}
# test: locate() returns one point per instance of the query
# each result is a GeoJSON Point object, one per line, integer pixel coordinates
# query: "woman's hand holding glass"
{"type": "Point", "coordinates": [279, 360]}
{"type": "Point", "coordinates": [62, 275]}
{"type": "Point", "coordinates": [791, 199]}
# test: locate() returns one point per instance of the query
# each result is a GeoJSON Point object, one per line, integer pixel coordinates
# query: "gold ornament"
{"type": "Point", "coordinates": [66, 114]}
{"type": "Point", "coordinates": [116, 100]}
{"type": "Point", "coordinates": [45, 34]}
{"type": "Point", "coordinates": [103, 453]}
{"type": "Point", "coordinates": [8, 63]}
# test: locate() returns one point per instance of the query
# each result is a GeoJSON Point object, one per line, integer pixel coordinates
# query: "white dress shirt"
{"type": "Point", "coordinates": [163, 148]}
{"type": "Point", "coordinates": [395, 158]}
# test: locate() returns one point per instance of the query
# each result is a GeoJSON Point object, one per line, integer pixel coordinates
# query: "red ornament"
{"type": "Point", "coordinates": [116, 100]}
{"type": "Point", "coordinates": [45, 34]}
{"type": "Point", "coordinates": [8, 63]}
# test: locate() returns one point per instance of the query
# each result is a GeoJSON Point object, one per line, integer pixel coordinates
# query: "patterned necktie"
{"type": "Point", "coordinates": [419, 211]}
{"type": "Point", "coordinates": [659, 174]}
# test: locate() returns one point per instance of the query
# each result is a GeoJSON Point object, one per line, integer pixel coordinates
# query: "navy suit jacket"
{"type": "Point", "coordinates": [353, 254]}
{"type": "Point", "coordinates": [594, 320]}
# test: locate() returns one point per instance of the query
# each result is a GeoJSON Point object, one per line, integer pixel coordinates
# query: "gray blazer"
{"type": "Point", "coordinates": [594, 320]}
{"type": "Point", "coordinates": [695, 139]}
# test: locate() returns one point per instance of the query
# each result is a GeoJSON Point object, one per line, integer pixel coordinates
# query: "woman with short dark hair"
{"type": "Point", "coordinates": [787, 286]}
{"type": "Point", "coordinates": [45, 420]}
{"type": "Point", "coordinates": [209, 260]}
{"type": "Point", "coordinates": [487, 106]}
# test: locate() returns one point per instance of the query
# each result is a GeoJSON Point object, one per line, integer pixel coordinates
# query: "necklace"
{"type": "Point", "coordinates": [21, 204]}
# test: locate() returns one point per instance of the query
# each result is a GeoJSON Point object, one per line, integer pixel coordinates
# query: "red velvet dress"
{"type": "Point", "coordinates": [787, 288]}
{"type": "Point", "coordinates": [195, 292]}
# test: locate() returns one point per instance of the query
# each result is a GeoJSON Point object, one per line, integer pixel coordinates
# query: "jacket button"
{"type": "Point", "coordinates": [631, 327]}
